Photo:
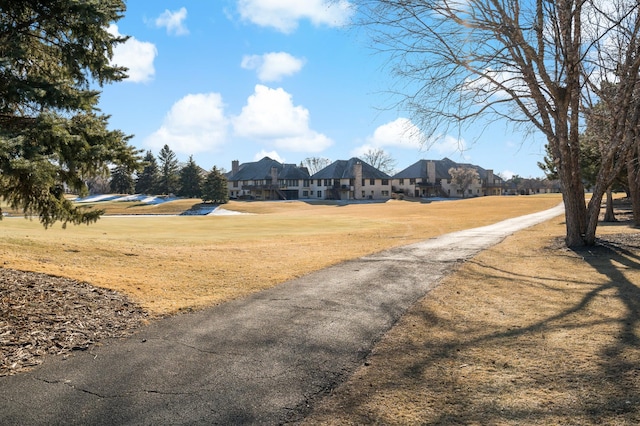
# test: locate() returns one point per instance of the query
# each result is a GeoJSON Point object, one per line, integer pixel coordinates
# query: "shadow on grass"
{"type": "Point", "coordinates": [601, 389]}
{"type": "Point", "coordinates": [575, 360]}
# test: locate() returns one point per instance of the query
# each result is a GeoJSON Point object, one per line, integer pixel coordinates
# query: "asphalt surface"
{"type": "Point", "coordinates": [264, 359]}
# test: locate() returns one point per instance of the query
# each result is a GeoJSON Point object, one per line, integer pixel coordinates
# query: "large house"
{"type": "Point", "coordinates": [351, 180]}
{"type": "Point", "coordinates": [354, 179]}
{"type": "Point", "coordinates": [431, 178]}
{"type": "Point", "coordinates": [268, 179]}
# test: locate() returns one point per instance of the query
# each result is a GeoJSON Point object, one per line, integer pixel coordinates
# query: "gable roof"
{"type": "Point", "coordinates": [419, 169]}
{"type": "Point", "coordinates": [343, 169]}
{"type": "Point", "coordinates": [482, 173]}
{"type": "Point", "coordinates": [261, 170]}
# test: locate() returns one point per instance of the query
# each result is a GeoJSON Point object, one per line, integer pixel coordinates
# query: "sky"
{"type": "Point", "coordinates": [226, 80]}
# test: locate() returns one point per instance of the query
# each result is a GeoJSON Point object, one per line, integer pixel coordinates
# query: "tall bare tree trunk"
{"type": "Point", "coordinates": [568, 122]}
{"type": "Point", "coordinates": [572, 188]}
{"type": "Point", "coordinates": [633, 174]}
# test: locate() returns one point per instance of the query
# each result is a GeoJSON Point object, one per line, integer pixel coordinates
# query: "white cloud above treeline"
{"type": "Point", "coordinates": [173, 21]}
{"type": "Point", "coordinates": [402, 133]}
{"type": "Point", "coordinates": [196, 123]}
{"type": "Point", "coordinates": [199, 123]}
{"type": "Point", "coordinates": [272, 66]}
{"type": "Point", "coordinates": [271, 117]}
{"type": "Point", "coordinates": [138, 56]}
{"type": "Point", "coordinates": [284, 15]}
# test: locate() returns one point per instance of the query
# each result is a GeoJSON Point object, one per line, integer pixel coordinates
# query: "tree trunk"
{"type": "Point", "coordinates": [633, 174]}
{"type": "Point", "coordinates": [573, 197]}
{"type": "Point", "coordinates": [609, 215]}
{"type": "Point", "coordinates": [575, 217]}
{"type": "Point", "coordinates": [566, 155]}
{"type": "Point", "coordinates": [593, 212]}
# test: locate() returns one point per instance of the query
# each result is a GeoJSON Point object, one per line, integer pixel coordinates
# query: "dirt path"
{"type": "Point", "coordinates": [263, 359]}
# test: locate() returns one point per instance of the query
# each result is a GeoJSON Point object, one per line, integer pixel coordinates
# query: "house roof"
{"type": "Point", "coordinates": [343, 169]}
{"type": "Point", "coordinates": [261, 170]}
{"type": "Point", "coordinates": [482, 173]}
{"type": "Point", "coordinates": [419, 169]}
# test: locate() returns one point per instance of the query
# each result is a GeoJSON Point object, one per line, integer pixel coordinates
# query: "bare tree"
{"type": "Point", "coordinates": [381, 160]}
{"type": "Point", "coordinates": [633, 175]}
{"type": "Point", "coordinates": [315, 164]}
{"type": "Point", "coordinates": [463, 177]}
{"type": "Point", "coordinates": [534, 63]}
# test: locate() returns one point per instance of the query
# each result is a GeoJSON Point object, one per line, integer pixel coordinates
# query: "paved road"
{"type": "Point", "coordinates": [264, 359]}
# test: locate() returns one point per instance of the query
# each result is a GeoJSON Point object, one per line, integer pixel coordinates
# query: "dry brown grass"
{"type": "Point", "coordinates": [170, 263]}
{"type": "Point", "coordinates": [526, 333]}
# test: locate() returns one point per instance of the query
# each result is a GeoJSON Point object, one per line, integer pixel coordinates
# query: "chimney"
{"type": "Point", "coordinates": [235, 166]}
{"type": "Point", "coordinates": [489, 177]}
{"type": "Point", "coordinates": [357, 174]}
{"type": "Point", "coordinates": [274, 176]}
{"type": "Point", "coordinates": [431, 171]}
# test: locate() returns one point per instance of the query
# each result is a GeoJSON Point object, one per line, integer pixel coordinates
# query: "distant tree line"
{"type": "Point", "coordinates": [525, 186]}
{"type": "Point", "coordinates": [164, 175]}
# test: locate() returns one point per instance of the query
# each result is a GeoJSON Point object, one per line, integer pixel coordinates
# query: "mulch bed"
{"type": "Point", "coordinates": [42, 314]}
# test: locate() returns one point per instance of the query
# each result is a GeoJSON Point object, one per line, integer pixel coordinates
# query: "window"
{"type": "Point", "coordinates": [306, 183]}
{"type": "Point", "coordinates": [305, 193]}
{"type": "Point", "coordinates": [235, 183]}
{"type": "Point", "coordinates": [372, 182]}
{"type": "Point", "coordinates": [401, 182]}
{"type": "Point", "coordinates": [363, 194]}
{"type": "Point", "coordinates": [319, 194]}
{"type": "Point", "coordinates": [385, 193]}
{"type": "Point", "coordinates": [327, 182]}
{"type": "Point", "coordinates": [385, 181]}
{"type": "Point", "coordinates": [412, 181]}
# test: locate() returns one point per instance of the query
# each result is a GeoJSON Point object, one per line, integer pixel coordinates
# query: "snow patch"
{"type": "Point", "coordinates": [145, 199]}
{"type": "Point", "coordinates": [219, 211]}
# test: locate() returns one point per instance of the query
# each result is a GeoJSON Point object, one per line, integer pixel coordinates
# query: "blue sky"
{"type": "Point", "coordinates": [227, 80]}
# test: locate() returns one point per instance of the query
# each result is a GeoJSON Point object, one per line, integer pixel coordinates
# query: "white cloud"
{"type": "Point", "coordinates": [493, 83]}
{"type": "Point", "coordinates": [173, 21]}
{"type": "Point", "coordinates": [284, 15]}
{"type": "Point", "coordinates": [401, 133]}
{"type": "Point", "coordinates": [271, 117]}
{"type": "Point", "coordinates": [195, 123]}
{"type": "Point", "coordinates": [506, 174]}
{"type": "Point", "coordinates": [361, 150]}
{"type": "Point", "coordinates": [136, 55]}
{"type": "Point", "coordinates": [271, 154]}
{"type": "Point", "coordinates": [447, 145]}
{"type": "Point", "coordinates": [272, 66]}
